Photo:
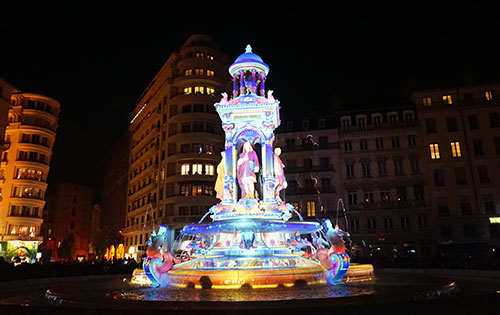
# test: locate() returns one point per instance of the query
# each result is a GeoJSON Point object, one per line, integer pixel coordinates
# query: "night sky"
{"type": "Point", "coordinates": [96, 60]}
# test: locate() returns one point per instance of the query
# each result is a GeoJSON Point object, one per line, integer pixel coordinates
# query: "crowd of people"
{"type": "Point", "coordinates": [10, 271]}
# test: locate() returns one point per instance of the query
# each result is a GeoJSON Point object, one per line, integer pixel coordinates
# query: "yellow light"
{"type": "Point", "coordinates": [495, 220]}
{"type": "Point", "coordinates": [434, 149]}
{"type": "Point", "coordinates": [455, 149]}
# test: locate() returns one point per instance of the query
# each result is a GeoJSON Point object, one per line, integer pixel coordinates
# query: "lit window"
{"type": "Point", "coordinates": [210, 57]}
{"type": "Point", "coordinates": [210, 91]}
{"type": "Point", "coordinates": [188, 90]}
{"type": "Point", "coordinates": [209, 169]}
{"type": "Point", "coordinates": [427, 101]}
{"type": "Point", "coordinates": [210, 73]}
{"type": "Point", "coordinates": [13, 229]}
{"type": "Point", "coordinates": [23, 230]}
{"type": "Point", "coordinates": [185, 190]}
{"type": "Point", "coordinates": [488, 95]}
{"type": "Point", "coordinates": [21, 173]}
{"type": "Point", "coordinates": [455, 149]}
{"type": "Point", "coordinates": [184, 169]}
{"type": "Point", "coordinates": [384, 195]}
{"type": "Point", "coordinates": [209, 149]}
{"type": "Point", "coordinates": [311, 208]}
{"type": "Point", "coordinates": [199, 89]}
{"type": "Point", "coordinates": [197, 190]}
{"type": "Point", "coordinates": [447, 99]}
{"type": "Point", "coordinates": [197, 169]}
{"type": "Point", "coordinates": [188, 72]}
{"type": "Point", "coordinates": [200, 54]}
{"type": "Point", "coordinates": [199, 71]}
{"type": "Point", "coordinates": [434, 148]}
{"type": "Point", "coordinates": [30, 174]}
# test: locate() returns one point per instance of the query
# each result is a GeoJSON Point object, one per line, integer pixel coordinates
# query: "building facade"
{"type": "Point", "coordinates": [384, 187]}
{"type": "Point", "coordinates": [71, 208]}
{"type": "Point", "coordinates": [30, 136]}
{"type": "Point", "coordinates": [369, 159]}
{"type": "Point", "coordinates": [310, 154]}
{"type": "Point", "coordinates": [113, 207]}
{"type": "Point", "coordinates": [460, 136]}
{"type": "Point", "coordinates": [176, 138]}
{"type": "Point", "coordinates": [6, 91]}
{"type": "Point", "coordinates": [419, 180]}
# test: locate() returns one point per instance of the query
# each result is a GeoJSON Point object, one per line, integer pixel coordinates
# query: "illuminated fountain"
{"type": "Point", "coordinates": [251, 241]}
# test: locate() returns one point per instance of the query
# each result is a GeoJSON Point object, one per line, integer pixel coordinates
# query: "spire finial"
{"type": "Point", "coordinates": [248, 49]}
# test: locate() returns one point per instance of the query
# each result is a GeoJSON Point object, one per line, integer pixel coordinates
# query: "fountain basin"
{"type": "Point", "coordinates": [252, 272]}
{"type": "Point", "coordinates": [199, 273]}
{"type": "Point", "coordinates": [249, 224]}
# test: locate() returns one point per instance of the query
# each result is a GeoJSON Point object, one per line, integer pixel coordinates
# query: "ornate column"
{"type": "Point", "coordinates": [254, 82]}
{"type": "Point", "coordinates": [235, 173]}
{"type": "Point", "coordinates": [242, 83]}
{"type": "Point", "coordinates": [235, 86]}
{"type": "Point", "coordinates": [230, 187]}
{"type": "Point", "coordinates": [262, 84]}
{"type": "Point", "coordinates": [268, 180]}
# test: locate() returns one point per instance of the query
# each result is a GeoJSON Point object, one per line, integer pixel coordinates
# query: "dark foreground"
{"type": "Point", "coordinates": [393, 292]}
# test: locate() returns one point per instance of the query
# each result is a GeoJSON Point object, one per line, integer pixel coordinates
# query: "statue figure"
{"type": "Point", "coordinates": [279, 175]}
{"type": "Point", "coordinates": [336, 237]}
{"type": "Point", "coordinates": [270, 96]}
{"type": "Point", "coordinates": [248, 86]}
{"type": "Point", "coordinates": [156, 242]}
{"type": "Point", "coordinates": [221, 172]}
{"type": "Point", "coordinates": [159, 261]}
{"type": "Point", "coordinates": [247, 166]}
{"type": "Point", "coordinates": [224, 100]}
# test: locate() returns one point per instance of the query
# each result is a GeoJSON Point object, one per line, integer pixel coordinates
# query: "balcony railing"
{"type": "Point", "coordinates": [309, 191]}
{"type": "Point", "coordinates": [386, 125]}
{"type": "Point", "coordinates": [309, 147]}
{"type": "Point", "coordinates": [28, 159]}
{"type": "Point", "coordinates": [387, 205]}
{"type": "Point", "coordinates": [307, 169]}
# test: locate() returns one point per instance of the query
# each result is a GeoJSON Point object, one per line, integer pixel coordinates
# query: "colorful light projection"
{"type": "Point", "coordinates": [251, 240]}
{"type": "Point", "coordinates": [25, 250]}
{"type": "Point", "coordinates": [113, 252]}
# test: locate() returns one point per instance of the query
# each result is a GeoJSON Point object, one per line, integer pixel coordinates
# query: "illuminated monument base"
{"type": "Point", "coordinates": [245, 252]}
{"type": "Point", "coordinates": [253, 272]}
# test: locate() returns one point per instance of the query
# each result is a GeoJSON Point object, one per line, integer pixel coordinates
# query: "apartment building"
{"type": "Point", "coordinates": [25, 164]}
{"type": "Point", "coordinates": [176, 138]}
{"type": "Point", "coordinates": [460, 136]}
